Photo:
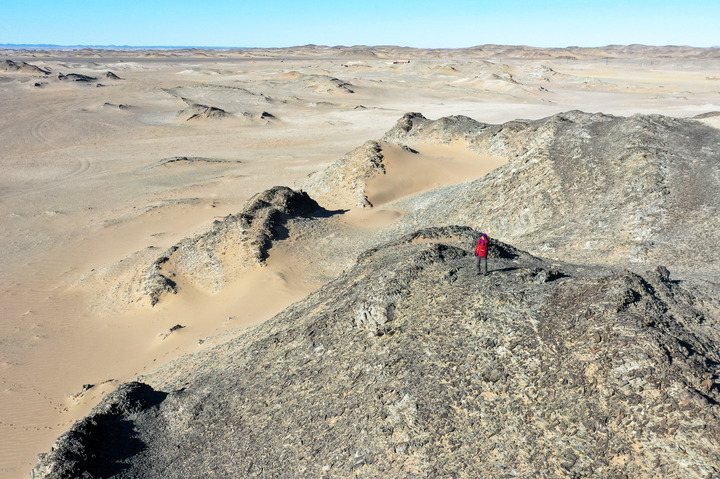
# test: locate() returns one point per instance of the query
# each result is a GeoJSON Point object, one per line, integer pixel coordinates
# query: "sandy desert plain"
{"type": "Point", "coordinates": [100, 175]}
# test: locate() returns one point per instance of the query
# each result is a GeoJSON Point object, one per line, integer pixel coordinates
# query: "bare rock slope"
{"type": "Point", "coordinates": [581, 186]}
{"type": "Point", "coordinates": [410, 365]}
{"type": "Point", "coordinates": [22, 67]}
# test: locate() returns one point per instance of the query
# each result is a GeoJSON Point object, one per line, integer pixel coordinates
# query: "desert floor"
{"type": "Point", "coordinates": [88, 185]}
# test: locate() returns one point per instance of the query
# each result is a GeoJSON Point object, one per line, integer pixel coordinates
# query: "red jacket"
{"type": "Point", "coordinates": [482, 246]}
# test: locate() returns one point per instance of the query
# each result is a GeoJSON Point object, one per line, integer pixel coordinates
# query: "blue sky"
{"type": "Point", "coordinates": [420, 23]}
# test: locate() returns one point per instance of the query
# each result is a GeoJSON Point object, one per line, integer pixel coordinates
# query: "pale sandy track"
{"type": "Point", "coordinates": [36, 131]}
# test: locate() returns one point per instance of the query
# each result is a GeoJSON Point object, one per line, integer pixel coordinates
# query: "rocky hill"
{"type": "Point", "coordinates": [410, 365]}
{"type": "Point", "coordinates": [343, 183]}
{"type": "Point", "coordinates": [22, 67]}
{"type": "Point", "coordinates": [581, 186]}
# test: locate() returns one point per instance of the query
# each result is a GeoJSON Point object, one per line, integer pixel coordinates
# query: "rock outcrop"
{"type": "Point", "coordinates": [235, 244]}
{"type": "Point", "coordinates": [410, 365]}
{"type": "Point", "coordinates": [315, 83]}
{"type": "Point", "coordinates": [22, 67]}
{"type": "Point", "coordinates": [197, 111]}
{"type": "Point", "coordinates": [77, 77]}
{"type": "Point", "coordinates": [343, 183]}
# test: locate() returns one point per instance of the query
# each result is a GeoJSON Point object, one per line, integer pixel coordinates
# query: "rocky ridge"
{"type": "Point", "coordinates": [582, 186]}
{"type": "Point", "coordinates": [202, 112]}
{"type": "Point", "coordinates": [235, 244]}
{"type": "Point", "coordinates": [343, 183]}
{"type": "Point", "coordinates": [410, 365]}
{"type": "Point", "coordinates": [22, 67]}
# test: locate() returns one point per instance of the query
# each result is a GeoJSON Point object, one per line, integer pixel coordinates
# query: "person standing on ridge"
{"type": "Point", "coordinates": [481, 251]}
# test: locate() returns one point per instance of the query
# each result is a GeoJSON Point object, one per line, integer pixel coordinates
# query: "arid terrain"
{"type": "Point", "coordinates": [125, 175]}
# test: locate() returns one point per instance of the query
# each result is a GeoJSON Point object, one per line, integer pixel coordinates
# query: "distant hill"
{"type": "Point", "coordinates": [22, 67]}
{"type": "Point", "coordinates": [392, 52]}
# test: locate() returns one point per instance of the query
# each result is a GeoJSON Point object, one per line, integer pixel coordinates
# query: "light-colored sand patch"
{"type": "Point", "coordinates": [371, 218]}
{"type": "Point", "coordinates": [434, 165]}
{"type": "Point", "coordinates": [65, 347]}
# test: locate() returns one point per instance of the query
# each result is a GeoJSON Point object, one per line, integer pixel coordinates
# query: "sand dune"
{"type": "Point", "coordinates": [92, 193]}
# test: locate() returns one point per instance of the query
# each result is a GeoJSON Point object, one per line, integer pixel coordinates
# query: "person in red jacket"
{"type": "Point", "coordinates": [481, 251]}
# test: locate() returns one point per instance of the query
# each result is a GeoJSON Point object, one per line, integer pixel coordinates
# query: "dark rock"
{"type": "Point", "coordinates": [76, 77]}
{"type": "Point", "coordinates": [198, 111]}
{"type": "Point", "coordinates": [22, 67]}
{"type": "Point", "coordinates": [101, 444]}
{"type": "Point", "coordinates": [710, 114]}
{"type": "Point", "coordinates": [663, 272]}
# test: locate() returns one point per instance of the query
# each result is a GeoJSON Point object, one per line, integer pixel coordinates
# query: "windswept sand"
{"type": "Point", "coordinates": [433, 165]}
{"type": "Point", "coordinates": [98, 180]}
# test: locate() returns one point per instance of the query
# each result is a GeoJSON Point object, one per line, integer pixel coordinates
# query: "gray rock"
{"type": "Point", "coordinates": [343, 183]}
{"type": "Point", "coordinates": [76, 77]}
{"type": "Point", "coordinates": [22, 67]}
{"type": "Point", "coordinates": [641, 190]}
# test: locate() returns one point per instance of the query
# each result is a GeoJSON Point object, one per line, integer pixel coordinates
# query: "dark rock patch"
{"type": "Point", "coordinates": [22, 67]}
{"type": "Point", "coordinates": [76, 77]}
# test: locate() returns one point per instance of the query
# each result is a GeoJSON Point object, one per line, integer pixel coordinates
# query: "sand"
{"type": "Point", "coordinates": [429, 166]}
{"type": "Point", "coordinates": [90, 192]}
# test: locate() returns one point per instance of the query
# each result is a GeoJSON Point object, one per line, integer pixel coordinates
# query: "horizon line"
{"type": "Point", "coordinates": [32, 46]}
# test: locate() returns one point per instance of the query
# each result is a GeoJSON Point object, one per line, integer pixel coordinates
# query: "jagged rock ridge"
{"type": "Point", "coordinates": [22, 67]}
{"type": "Point", "coordinates": [589, 187]}
{"type": "Point", "coordinates": [202, 112]}
{"type": "Point", "coordinates": [410, 365]}
{"type": "Point", "coordinates": [343, 183]}
{"type": "Point", "coordinates": [235, 244]}
{"type": "Point", "coordinates": [76, 77]}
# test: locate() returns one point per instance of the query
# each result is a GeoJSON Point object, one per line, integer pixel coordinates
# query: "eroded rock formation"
{"type": "Point", "coordinates": [235, 244]}
{"type": "Point", "coordinates": [582, 186]}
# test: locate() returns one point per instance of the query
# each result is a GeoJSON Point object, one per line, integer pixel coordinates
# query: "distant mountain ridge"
{"type": "Point", "coordinates": [389, 51]}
